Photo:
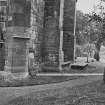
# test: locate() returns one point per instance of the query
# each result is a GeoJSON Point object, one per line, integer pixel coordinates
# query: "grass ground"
{"type": "Point", "coordinates": [37, 80]}
{"type": "Point", "coordinates": [89, 94]}
{"type": "Point", "coordinates": [87, 69]}
{"type": "Point", "coordinates": [94, 67]}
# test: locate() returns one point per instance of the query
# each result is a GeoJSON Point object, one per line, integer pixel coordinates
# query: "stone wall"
{"type": "Point", "coordinates": [51, 42]}
{"type": "Point", "coordinates": [39, 21]}
{"type": "Point", "coordinates": [16, 38]}
{"type": "Point", "coordinates": [50, 51]}
{"type": "Point", "coordinates": [68, 28]}
{"type": "Point", "coordinates": [3, 7]}
{"type": "Point", "coordinates": [36, 29]}
{"type": "Point", "coordinates": [25, 20]}
{"type": "Point", "coordinates": [2, 56]}
{"type": "Point", "coordinates": [52, 34]}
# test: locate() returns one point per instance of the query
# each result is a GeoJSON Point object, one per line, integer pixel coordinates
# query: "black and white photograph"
{"type": "Point", "coordinates": [52, 52]}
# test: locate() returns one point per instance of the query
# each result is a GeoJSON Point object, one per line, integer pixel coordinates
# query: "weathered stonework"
{"type": "Point", "coordinates": [51, 37]}
{"type": "Point", "coordinates": [33, 26]}
{"type": "Point", "coordinates": [3, 6]}
{"type": "Point", "coordinates": [24, 33]}
{"type": "Point", "coordinates": [2, 56]}
{"type": "Point", "coordinates": [36, 31]}
{"type": "Point", "coordinates": [50, 52]}
{"type": "Point", "coordinates": [68, 29]}
{"type": "Point", "coordinates": [16, 38]}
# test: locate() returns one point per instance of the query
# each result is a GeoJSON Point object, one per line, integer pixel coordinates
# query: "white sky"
{"type": "Point", "coordinates": [86, 5]}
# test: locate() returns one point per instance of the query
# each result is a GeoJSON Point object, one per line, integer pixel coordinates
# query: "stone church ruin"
{"type": "Point", "coordinates": [42, 27]}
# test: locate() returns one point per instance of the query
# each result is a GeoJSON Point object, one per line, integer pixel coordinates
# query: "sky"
{"type": "Point", "coordinates": [86, 6]}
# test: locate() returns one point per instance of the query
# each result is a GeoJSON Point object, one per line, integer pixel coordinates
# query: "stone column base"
{"type": "Point", "coordinates": [10, 77]}
{"type": "Point", "coordinates": [19, 76]}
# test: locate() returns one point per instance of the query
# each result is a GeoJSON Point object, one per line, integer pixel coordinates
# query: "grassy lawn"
{"type": "Point", "coordinates": [89, 94]}
{"type": "Point", "coordinates": [93, 67]}
{"type": "Point", "coordinates": [87, 69]}
{"type": "Point", "coordinates": [38, 80]}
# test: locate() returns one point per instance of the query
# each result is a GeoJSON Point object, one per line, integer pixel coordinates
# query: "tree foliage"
{"type": "Point", "coordinates": [99, 19]}
{"type": "Point", "coordinates": [87, 31]}
{"type": "Point", "coordinates": [91, 29]}
{"type": "Point", "coordinates": [81, 22]}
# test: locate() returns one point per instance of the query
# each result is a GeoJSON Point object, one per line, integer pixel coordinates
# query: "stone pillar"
{"type": "Point", "coordinates": [3, 6]}
{"type": "Point", "coordinates": [17, 38]}
{"type": "Point", "coordinates": [2, 56]}
{"type": "Point", "coordinates": [50, 52]}
{"type": "Point", "coordinates": [58, 38]}
{"type": "Point", "coordinates": [61, 53]}
{"type": "Point", "coordinates": [68, 29]}
{"type": "Point", "coordinates": [36, 32]}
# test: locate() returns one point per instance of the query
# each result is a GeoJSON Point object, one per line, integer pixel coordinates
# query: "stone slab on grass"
{"type": "Point", "coordinates": [79, 66]}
